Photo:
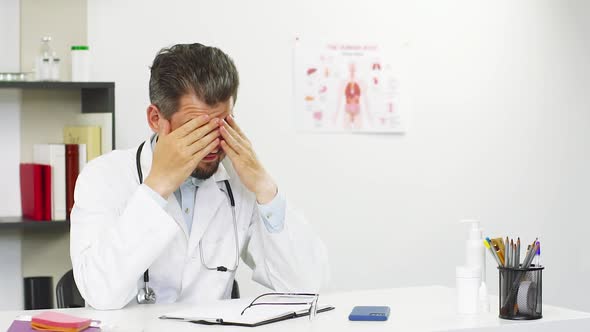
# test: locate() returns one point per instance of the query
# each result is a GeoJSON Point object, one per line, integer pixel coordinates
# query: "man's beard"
{"type": "Point", "coordinates": [206, 170]}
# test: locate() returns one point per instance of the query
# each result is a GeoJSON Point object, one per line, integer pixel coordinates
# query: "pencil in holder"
{"type": "Point", "coordinates": [521, 291]}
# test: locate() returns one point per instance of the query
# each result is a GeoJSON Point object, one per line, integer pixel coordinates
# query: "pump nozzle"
{"type": "Point", "coordinates": [475, 233]}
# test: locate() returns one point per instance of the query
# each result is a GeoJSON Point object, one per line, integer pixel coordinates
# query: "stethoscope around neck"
{"type": "Point", "coordinates": [146, 295]}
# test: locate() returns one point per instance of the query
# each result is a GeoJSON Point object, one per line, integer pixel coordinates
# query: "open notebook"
{"type": "Point", "coordinates": [228, 313]}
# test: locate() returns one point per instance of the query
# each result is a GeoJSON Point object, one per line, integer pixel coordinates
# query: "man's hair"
{"type": "Point", "coordinates": [191, 68]}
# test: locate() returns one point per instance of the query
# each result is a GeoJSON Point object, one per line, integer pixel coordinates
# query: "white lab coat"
{"type": "Point", "coordinates": [118, 231]}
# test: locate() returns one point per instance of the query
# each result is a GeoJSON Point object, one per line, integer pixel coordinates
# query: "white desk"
{"type": "Point", "coordinates": [412, 309]}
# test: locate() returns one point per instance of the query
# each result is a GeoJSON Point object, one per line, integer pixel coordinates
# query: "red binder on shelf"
{"type": "Point", "coordinates": [47, 176]}
{"type": "Point", "coordinates": [35, 184]}
{"type": "Point", "coordinates": [72, 170]}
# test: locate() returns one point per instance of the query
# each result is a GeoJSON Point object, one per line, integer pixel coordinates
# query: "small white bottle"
{"type": "Point", "coordinates": [55, 68]}
{"type": "Point", "coordinates": [45, 69]}
{"type": "Point", "coordinates": [484, 301]}
{"type": "Point", "coordinates": [80, 63]}
{"type": "Point", "coordinates": [468, 281]}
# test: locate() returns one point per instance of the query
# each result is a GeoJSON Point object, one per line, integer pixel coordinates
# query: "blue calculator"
{"type": "Point", "coordinates": [369, 313]}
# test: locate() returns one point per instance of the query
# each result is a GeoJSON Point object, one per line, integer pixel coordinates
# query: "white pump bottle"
{"type": "Point", "coordinates": [475, 257]}
{"type": "Point", "coordinates": [474, 248]}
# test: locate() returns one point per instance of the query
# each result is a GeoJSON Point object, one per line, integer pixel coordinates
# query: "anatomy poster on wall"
{"type": "Point", "coordinates": [348, 87]}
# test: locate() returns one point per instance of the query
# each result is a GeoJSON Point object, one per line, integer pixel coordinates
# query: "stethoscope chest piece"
{"type": "Point", "coordinates": [146, 295]}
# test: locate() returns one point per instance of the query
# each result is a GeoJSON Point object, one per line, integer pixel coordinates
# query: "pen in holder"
{"type": "Point", "coordinates": [521, 292]}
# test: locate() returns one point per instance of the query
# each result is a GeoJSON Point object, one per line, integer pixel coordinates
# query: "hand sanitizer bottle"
{"type": "Point", "coordinates": [475, 257]}
{"type": "Point", "coordinates": [474, 248]}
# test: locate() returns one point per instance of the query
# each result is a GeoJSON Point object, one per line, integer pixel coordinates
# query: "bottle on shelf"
{"type": "Point", "coordinates": [44, 60]}
{"type": "Point", "coordinates": [80, 63]}
{"type": "Point", "coordinates": [55, 68]}
{"type": "Point", "coordinates": [44, 64]}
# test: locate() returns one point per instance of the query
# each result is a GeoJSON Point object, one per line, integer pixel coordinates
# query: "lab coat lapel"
{"type": "Point", "coordinates": [208, 201]}
{"type": "Point", "coordinates": [173, 207]}
{"type": "Point", "coordinates": [174, 210]}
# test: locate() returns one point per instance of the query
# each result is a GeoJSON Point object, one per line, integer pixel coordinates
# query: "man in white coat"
{"type": "Point", "coordinates": [178, 222]}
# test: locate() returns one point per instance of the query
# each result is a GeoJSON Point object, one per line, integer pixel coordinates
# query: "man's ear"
{"type": "Point", "coordinates": [153, 117]}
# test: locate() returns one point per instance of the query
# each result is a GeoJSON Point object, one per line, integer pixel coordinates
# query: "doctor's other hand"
{"type": "Point", "coordinates": [239, 150]}
{"type": "Point", "coordinates": [177, 153]}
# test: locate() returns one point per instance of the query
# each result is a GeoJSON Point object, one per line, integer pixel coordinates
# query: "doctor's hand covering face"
{"type": "Point", "coordinates": [195, 140]}
{"type": "Point", "coordinates": [239, 150]}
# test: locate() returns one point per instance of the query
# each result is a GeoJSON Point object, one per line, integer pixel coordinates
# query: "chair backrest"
{"type": "Point", "coordinates": [235, 291]}
{"type": "Point", "coordinates": [67, 294]}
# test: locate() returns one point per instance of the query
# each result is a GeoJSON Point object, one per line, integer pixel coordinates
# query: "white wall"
{"type": "Point", "coordinates": [500, 125]}
{"type": "Point", "coordinates": [11, 284]}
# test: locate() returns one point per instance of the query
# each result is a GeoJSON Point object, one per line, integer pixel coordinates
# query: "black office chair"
{"type": "Point", "coordinates": [67, 294]}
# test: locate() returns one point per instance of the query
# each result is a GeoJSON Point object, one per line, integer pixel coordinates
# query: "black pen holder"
{"type": "Point", "coordinates": [521, 291]}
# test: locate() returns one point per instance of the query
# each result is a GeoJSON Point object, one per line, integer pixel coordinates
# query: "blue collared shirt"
{"type": "Point", "coordinates": [272, 213]}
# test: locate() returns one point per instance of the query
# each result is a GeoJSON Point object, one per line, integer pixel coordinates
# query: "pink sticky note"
{"type": "Point", "coordinates": [58, 319]}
